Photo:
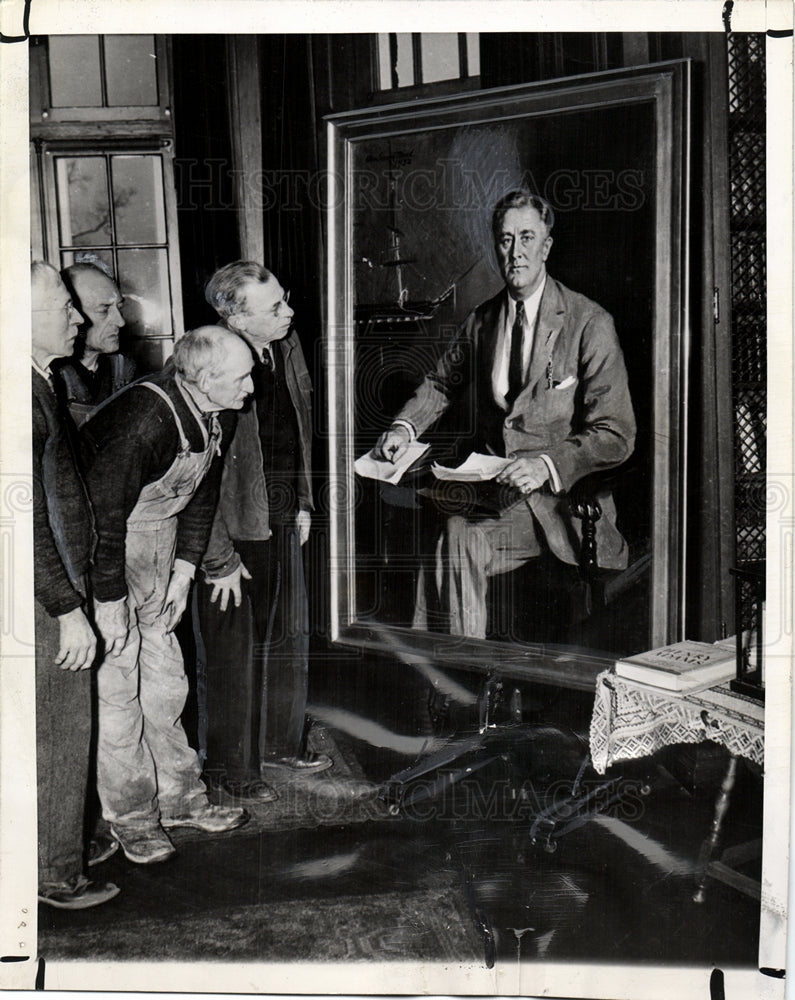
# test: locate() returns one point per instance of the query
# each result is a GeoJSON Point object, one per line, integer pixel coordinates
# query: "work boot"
{"type": "Point", "coordinates": [143, 845]}
{"type": "Point", "coordinates": [208, 818]}
{"type": "Point", "coordinates": [77, 893]}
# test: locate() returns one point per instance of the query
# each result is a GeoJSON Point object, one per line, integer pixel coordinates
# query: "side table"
{"type": "Point", "coordinates": [631, 720]}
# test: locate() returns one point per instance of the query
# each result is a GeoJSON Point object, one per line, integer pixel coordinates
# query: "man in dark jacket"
{"type": "Point", "coordinates": [97, 369]}
{"type": "Point", "coordinates": [256, 643]}
{"type": "Point", "coordinates": [65, 640]}
{"type": "Point", "coordinates": [154, 460]}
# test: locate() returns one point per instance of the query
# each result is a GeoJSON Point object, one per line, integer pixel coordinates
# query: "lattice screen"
{"type": "Point", "coordinates": [746, 54]}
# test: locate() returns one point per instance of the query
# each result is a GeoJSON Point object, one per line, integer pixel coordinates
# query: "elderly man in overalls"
{"type": "Point", "coordinates": [153, 455]}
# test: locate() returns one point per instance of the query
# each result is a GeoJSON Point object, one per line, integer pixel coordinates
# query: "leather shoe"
{"type": "Point", "coordinates": [313, 764]}
{"type": "Point", "coordinates": [250, 790]}
{"type": "Point", "coordinates": [208, 818]}
{"type": "Point", "coordinates": [77, 893]}
{"type": "Point", "coordinates": [144, 846]}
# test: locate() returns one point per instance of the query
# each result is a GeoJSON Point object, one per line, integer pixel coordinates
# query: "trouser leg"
{"type": "Point", "coordinates": [281, 630]}
{"type": "Point", "coordinates": [469, 552]}
{"type": "Point", "coordinates": [287, 666]}
{"type": "Point", "coordinates": [230, 688]}
{"type": "Point", "coordinates": [462, 558]}
{"type": "Point", "coordinates": [144, 759]}
{"type": "Point", "coordinates": [164, 686]}
{"type": "Point", "coordinates": [126, 779]}
{"type": "Point", "coordinates": [63, 734]}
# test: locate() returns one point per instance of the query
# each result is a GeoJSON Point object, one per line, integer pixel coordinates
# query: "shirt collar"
{"type": "Point", "coordinates": [531, 304]}
{"type": "Point", "coordinates": [46, 373]}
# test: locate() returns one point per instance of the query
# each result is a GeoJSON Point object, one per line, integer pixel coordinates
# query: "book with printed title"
{"type": "Point", "coordinates": [682, 666]}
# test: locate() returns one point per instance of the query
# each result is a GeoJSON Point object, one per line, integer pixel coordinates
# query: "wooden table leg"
{"type": "Point", "coordinates": [711, 842]}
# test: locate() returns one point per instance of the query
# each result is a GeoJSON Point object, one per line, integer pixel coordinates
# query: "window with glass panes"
{"type": "Point", "coordinates": [407, 59]}
{"type": "Point", "coordinates": [103, 136]}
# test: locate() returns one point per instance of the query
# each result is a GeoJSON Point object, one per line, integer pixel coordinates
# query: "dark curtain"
{"type": "Point", "coordinates": [292, 185]}
{"type": "Point", "coordinates": [206, 215]}
{"type": "Point", "coordinates": [292, 199]}
{"type": "Point", "coordinates": [525, 57]}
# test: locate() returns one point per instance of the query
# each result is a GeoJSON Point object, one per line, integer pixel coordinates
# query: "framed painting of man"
{"type": "Point", "coordinates": [411, 255]}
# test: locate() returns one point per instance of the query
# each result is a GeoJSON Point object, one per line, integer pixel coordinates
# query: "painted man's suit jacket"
{"type": "Point", "coordinates": [243, 513]}
{"type": "Point", "coordinates": [575, 407]}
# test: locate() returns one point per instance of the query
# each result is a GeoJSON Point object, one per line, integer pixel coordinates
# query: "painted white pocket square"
{"type": "Point", "coordinates": [569, 380]}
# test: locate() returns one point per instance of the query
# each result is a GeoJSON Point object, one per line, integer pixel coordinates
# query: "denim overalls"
{"type": "Point", "coordinates": [145, 767]}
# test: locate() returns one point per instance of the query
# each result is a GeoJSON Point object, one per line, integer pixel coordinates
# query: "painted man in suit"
{"type": "Point", "coordinates": [547, 379]}
{"type": "Point", "coordinates": [253, 611]}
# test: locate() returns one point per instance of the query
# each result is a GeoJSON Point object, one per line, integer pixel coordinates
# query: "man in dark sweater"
{"type": "Point", "coordinates": [65, 640]}
{"type": "Point", "coordinates": [97, 369]}
{"type": "Point", "coordinates": [253, 609]}
{"type": "Point", "coordinates": [153, 454]}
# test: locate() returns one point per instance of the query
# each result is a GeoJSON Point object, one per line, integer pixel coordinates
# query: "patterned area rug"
{"type": "Point", "coordinates": [422, 926]}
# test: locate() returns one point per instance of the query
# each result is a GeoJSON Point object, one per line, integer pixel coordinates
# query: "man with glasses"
{"type": "Point", "coordinates": [65, 640]}
{"type": "Point", "coordinates": [252, 609]}
{"type": "Point", "coordinates": [97, 369]}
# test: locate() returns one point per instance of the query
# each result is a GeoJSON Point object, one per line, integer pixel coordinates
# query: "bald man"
{"type": "Point", "coordinates": [153, 454]}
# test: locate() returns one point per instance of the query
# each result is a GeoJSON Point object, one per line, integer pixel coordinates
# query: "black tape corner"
{"type": "Point", "coordinates": [773, 973]}
{"type": "Point", "coordinates": [25, 27]}
{"type": "Point", "coordinates": [726, 15]}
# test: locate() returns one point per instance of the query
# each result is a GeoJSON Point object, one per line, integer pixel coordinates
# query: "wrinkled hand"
{"type": "Point", "coordinates": [176, 599]}
{"type": "Point", "coordinates": [113, 622]}
{"type": "Point", "coordinates": [526, 474]}
{"type": "Point", "coordinates": [393, 443]}
{"type": "Point", "coordinates": [224, 586]}
{"type": "Point", "coordinates": [303, 521]}
{"type": "Point", "coordinates": [78, 642]}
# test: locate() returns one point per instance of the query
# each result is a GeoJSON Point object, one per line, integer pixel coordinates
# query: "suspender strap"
{"type": "Point", "coordinates": [183, 441]}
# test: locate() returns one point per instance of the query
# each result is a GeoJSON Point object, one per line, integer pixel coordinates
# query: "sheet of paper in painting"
{"type": "Point", "coordinates": [389, 472]}
{"type": "Point", "coordinates": [476, 469]}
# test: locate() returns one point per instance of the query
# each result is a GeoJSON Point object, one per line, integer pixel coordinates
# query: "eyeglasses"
{"type": "Point", "coordinates": [283, 301]}
{"type": "Point", "coordinates": [275, 309]}
{"type": "Point", "coordinates": [66, 308]}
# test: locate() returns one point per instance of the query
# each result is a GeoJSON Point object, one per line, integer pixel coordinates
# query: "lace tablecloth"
{"type": "Point", "coordinates": [631, 720]}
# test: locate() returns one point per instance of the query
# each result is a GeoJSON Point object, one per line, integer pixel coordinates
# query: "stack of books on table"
{"type": "Point", "coordinates": [684, 667]}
